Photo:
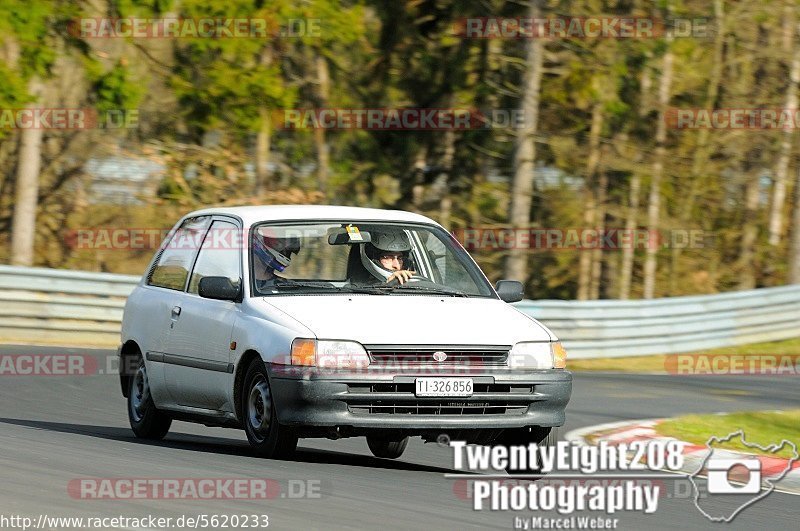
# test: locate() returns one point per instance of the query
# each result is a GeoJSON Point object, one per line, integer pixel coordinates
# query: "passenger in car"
{"type": "Point", "coordinates": [274, 254]}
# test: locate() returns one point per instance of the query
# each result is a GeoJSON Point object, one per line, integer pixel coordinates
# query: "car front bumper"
{"type": "Point", "coordinates": [306, 397]}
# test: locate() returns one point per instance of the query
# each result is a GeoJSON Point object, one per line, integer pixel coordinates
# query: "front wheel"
{"type": "Point", "coordinates": [268, 437]}
{"type": "Point", "coordinates": [544, 437]}
{"type": "Point", "coordinates": [147, 422]}
{"type": "Point", "coordinates": [385, 448]}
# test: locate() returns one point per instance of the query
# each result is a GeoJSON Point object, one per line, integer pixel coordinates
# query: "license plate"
{"type": "Point", "coordinates": [444, 386]}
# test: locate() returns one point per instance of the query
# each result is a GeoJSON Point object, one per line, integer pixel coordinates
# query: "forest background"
{"type": "Point", "coordinates": [600, 146]}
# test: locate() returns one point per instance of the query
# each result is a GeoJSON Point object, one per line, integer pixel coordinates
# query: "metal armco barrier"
{"type": "Point", "coordinates": [62, 307]}
{"type": "Point", "coordinates": [614, 328]}
{"type": "Point", "coordinates": [82, 308]}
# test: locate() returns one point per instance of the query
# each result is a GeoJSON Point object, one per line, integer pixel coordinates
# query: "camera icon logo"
{"type": "Point", "coordinates": [734, 476]}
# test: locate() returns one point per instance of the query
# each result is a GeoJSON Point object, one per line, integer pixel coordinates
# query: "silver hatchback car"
{"type": "Point", "coordinates": [324, 321]}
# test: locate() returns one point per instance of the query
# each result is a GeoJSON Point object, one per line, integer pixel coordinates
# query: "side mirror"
{"type": "Point", "coordinates": [510, 290]}
{"type": "Point", "coordinates": [220, 288]}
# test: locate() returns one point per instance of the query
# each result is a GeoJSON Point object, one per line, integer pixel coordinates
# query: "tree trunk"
{"type": "Point", "coordinates": [782, 170]}
{"type": "Point", "coordinates": [626, 271]}
{"type": "Point", "coordinates": [23, 227]}
{"type": "Point", "coordinates": [585, 256]}
{"type": "Point", "coordinates": [516, 266]}
{"type": "Point", "coordinates": [788, 27]}
{"type": "Point", "coordinates": [590, 217]}
{"type": "Point", "coordinates": [635, 188]}
{"type": "Point", "coordinates": [794, 251]}
{"type": "Point", "coordinates": [446, 202]}
{"type": "Point", "coordinates": [702, 153]}
{"type": "Point", "coordinates": [323, 158]}
{"type": "Point", "coordinates": [610, 273]}
{"type": "Point", "coordinates": [747, 279]}
{"type": "Point", "coordinates": [262, 153]}
{"type": "Point", "coordinates": [743, 157]}
{"type": "Point", "coordinates": [321, 146]}
{"type": "Point", "coordinates": [418, 171]}
{"type": "Point", "coordinates": [263, 137]}
{"type": "Point", "coordinates": [654, 202]}
{"type": "Point", "coordinates": [600, 224]}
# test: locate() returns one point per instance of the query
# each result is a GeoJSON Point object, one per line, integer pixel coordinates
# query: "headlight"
{"type": "Point", "coordinates": [329, 354]}
{"type": "Point", "coordinates": [538, 355]}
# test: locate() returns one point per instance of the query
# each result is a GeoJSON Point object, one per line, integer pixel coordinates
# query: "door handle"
{"type": "Point", "coordinates": [176, 311]}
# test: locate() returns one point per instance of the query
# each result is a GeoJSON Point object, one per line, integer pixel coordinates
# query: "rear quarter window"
{"type": "Point", "coordinates": [175, 260]}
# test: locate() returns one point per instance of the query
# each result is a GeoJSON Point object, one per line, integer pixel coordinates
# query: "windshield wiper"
{"type": "Point", "coordinates": [379, 289]}
{"type": "Point", "coordinates": [427, 289]}
{"type": "Point", "coordinates": [371, 290]}
{"type": "Point", "coordinates": [290, 285]}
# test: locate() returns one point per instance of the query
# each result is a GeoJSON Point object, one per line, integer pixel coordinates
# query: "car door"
{"type": "Point", "coordinates": [198, 367]}
{"type": "Point", "coordinates": [156, 301]}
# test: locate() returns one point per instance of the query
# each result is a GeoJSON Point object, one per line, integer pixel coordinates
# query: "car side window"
{"type": "Point", "coordinates": [446, 268]}
{"type": "Point", "coordinates": [175, 260]}
{"type": "Point", "coordinates": [219, 256]}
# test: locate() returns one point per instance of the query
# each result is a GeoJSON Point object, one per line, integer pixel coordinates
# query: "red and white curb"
{"type": "Point", "coordinates": [693, 455]}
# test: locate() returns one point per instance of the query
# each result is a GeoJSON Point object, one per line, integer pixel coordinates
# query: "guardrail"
{"type": "Point", "coordinates": [59, 306]}
{"type": "Point", "coordinates": [76, 307]}
{"type": "Point", "coordinates": [612, 328]}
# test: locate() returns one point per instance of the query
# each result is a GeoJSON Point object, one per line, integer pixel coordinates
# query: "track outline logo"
{"type": "Point", "coordinates": [769, 481]}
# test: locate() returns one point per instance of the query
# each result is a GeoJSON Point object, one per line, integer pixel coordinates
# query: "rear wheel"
{"type": "Point", "coordinates": [544, 437]}
{"type": "Point", "coordinates": [386, 448]}
{"type": "Point", "coordinates": [268, 437]}
{"type": "Point", "coordinates": [147, 422]}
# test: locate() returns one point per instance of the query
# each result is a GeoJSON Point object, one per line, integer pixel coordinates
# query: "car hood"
{"type": "Point", "coordinates": [411, 319]}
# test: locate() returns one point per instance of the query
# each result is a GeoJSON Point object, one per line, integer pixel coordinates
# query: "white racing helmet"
{"type": "Point", "coordinates": [385, 241]}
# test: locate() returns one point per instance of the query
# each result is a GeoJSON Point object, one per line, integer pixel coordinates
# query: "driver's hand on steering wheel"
{"type": "Point", "coordinates": [401, 276]}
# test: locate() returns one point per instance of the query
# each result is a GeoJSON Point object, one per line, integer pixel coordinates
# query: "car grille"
{"type": "Point", "coordinates": [438, 408]}
{"type": "Point", "coordinates": [423, 354]}
{"type": "Point", "coordinates": [484, 400]}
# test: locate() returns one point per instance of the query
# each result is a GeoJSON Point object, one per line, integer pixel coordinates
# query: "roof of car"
{"type": "Point", "coordinates": [256, 214]}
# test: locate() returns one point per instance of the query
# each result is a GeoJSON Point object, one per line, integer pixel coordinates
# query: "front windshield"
{"type": "Point", "coordinates": [364, 258]}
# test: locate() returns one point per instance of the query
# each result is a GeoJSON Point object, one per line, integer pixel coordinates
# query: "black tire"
{"type": "Point", "coordinates": [269, 438]}
{"type": "Point", "coordinates": [385, 448]}
{"type": "Point", "coordinates": [523, 437]}
{"type": "Point", "coordinates": [147, 422]}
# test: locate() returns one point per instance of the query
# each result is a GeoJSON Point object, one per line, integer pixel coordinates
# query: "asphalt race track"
{"type": "Point", "coordinates": [54, 429]}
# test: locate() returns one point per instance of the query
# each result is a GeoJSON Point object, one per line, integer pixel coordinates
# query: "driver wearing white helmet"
{"type": "Point", "coordinates": [388, 256]}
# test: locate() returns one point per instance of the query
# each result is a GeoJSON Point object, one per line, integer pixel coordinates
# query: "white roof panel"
{"type": "Point", "coordinates": [256, 214]}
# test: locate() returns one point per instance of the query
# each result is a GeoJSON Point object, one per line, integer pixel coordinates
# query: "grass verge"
{"type": "Point", "coordinates": [760, 427]}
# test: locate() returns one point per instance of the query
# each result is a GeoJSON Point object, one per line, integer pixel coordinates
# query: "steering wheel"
{"type": "Point", "coordinates": [412, 278]}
